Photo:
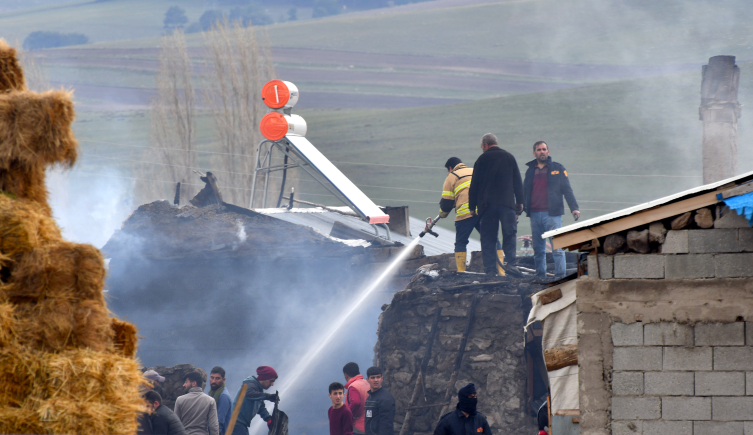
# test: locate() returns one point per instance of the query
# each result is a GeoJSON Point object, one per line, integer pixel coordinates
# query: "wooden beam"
{"type": "Point", "coordinates": [634, 220]}
{"type": "Point", "coordinates": [548, 298]}
{"type": "Point", "coordinates": [737, 191]}
{"type": "Point", "coordinates": [561, 356]}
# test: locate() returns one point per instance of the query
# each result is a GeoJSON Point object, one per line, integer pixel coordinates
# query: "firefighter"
{"type": "Point", "coordinates": [464, 420]}
{"type": "Point", "coordinates": [455, 195]}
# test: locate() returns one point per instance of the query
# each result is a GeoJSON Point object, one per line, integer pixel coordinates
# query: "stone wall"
{"type": "Point", "coordinates": [493, 359]}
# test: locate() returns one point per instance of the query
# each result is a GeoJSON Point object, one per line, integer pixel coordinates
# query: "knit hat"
{"type": "Point", "coordinates": [153, 376]}
{"type": "Point", "coordinates": [467, 390]}
{"type": "Point", "coordinates": [264, 373]}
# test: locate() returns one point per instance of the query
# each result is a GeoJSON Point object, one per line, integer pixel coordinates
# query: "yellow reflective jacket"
{"type": "Point", "coordinates": [455, 192]}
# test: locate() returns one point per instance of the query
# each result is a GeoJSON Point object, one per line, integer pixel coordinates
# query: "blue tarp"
{"type": "Point", "coordinates": [743, 205]}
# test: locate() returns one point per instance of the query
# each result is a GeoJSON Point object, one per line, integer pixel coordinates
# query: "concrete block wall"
{"type": "Point", "coordinates": [674, 378]}
{"type": "Point", "coordinates": [685, 254]}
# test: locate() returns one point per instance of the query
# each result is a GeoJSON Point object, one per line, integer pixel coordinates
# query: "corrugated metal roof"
{"type": "Point", "coordinates": [645, 206]}
{"type": "Point", "coordinates": [323, 220]}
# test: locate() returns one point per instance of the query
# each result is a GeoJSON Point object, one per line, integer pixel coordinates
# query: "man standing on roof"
{"type": "Point", "coordinates": [545, 184]}
{"type": "Point", "coordinates": [496, 194]}
{"type": "Point", "coordinates": [253, 401]}
{"type": "Point", "coordinates": [455, 195]}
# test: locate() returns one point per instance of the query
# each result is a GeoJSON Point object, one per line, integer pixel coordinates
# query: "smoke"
{"type": "Point", "coordinates": [89, 207]}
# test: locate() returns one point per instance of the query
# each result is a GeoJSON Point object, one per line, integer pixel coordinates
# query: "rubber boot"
{"type": "Point", "coordinates": [500, 269]}
{"type": "Point", "coordinates": [460, 261]}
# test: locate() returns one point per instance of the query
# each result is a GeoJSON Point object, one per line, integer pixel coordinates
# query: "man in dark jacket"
{"type": "Point", "coordinates": [464, 420]}
{"type": "Point", "coordinates": [164, 420]}
{"type": "Point", "coordinates": [496, 194]}
{"type": "Point", "coordinates": [380, 406]}
{"type": "Point", "coordinates": [545, 184]}
{"type": "Point", "coordinates": [253, 401]}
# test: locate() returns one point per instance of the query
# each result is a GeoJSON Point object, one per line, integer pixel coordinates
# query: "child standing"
{"type": "Point", "coordinates": [340, 417]}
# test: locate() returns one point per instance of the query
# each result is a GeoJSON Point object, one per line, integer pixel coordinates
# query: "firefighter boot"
{"type": "Point", "coordinates": [460, 261]}
{"type": "Point", "coordinates": [500, 269]}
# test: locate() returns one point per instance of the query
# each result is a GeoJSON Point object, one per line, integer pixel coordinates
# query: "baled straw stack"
{"type": "Point", "coordinates": [11, 74]}
{"type": "Point", "coordinates": [65, 365]}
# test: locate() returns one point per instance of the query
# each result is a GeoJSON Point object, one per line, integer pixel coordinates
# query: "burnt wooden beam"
{"type": "Point", "coordinates": [561, 356]}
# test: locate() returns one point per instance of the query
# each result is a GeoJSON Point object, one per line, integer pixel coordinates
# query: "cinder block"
{"type": "Point", "coordinates": [749, 333]}
{"type": "Point", "coordinates": [733, 265]}
{"type": "Point", "coordinates": [720, 334]}
{"type": "Point", "coordinates": [733, 408]}
{"type": "Point", "coordinates": [728, 218]}
{"type": "Point", "coordinates": [718, 428]}
{"type": "Point", "coordinates": [687, 358]}
{"type": "Point", "coordinates": [748, 428]}
{"type": "Point", "coordinates": [660, 427]}
{"type": "Point", "coordinates": [712, 241]}
{"type": "Point", "coordinates": [720, 384]}
{"type": "Point", "coordinates": [691, 266]}
{"type": "Point", "coordinates": [627, 334]}
{"type": "Point", "coordinates": [686, 408]}
{"type": "Point", "coordinates": [627, 383]}
{"type": "Point", "coordinates": [632, 408]}
{"type": "Point", "coordinates": [733, 358]}
{"type": "Point", "coordinates": [605, 267]}
{"type": "Point", "coordinates": [639, 266]}
{"type": "Point", "coordinates": [637, 358]}
{"type": "Point", "coordinates": [676, 242]}
{"type": "Point", "coordinates": [749, 384]}
{"type": "Point", "coordinates": [745, 239]}
{"type": "Point", "coordinates": [627, 427]}
{"type": "Point", "coordinates": [668, 383]}
{"type": "Point", "coordinates": [667, 334]}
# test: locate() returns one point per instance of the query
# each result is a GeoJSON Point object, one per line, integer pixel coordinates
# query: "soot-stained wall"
{"type": "Point", "coordinates": [493, 358]}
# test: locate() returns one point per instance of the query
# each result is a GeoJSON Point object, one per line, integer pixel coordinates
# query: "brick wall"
{"type": "Point", "coordinates": [673, 378]}
{"type": "Point", "coordinates": [685, 254]}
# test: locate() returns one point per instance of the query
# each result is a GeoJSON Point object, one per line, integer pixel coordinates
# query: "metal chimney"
{"type": "Point", "coordinates": [719, 112]}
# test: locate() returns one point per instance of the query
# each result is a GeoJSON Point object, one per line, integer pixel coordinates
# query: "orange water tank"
{"type": "Point", "coordinates": [275, 125]}
{"type": "Point", "coordinates": [279, 94]}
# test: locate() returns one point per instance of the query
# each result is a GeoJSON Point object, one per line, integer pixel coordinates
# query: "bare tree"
{"type": "Point", "coordinates": [172, 155]}
{"type": "Point", "coordinates": [239, 63]}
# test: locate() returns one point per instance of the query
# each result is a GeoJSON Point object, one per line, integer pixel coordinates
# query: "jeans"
{"type": "Point", "coordinates": [463, 230]}
{"type": "Point", "coordinates": [490, 220]}
{"type": "Point", "coordinates": [541, 222]}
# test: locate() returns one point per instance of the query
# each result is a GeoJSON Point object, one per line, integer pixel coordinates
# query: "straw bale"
{"type": "Point", "coordinates": [35, 131]}
{"type": "Point", "coordinates": [11, 74]}
{"type": "Point", "coordinates": [62, 270]}
{"type": "Point", "coordinates": [21, 420]}
{"type": "Point", "coordinates": [7, 323]}
{"type": "Point", "coordinates": [124, 338]}
{"type": "Point", "coordinates": [22, 372]}
{"type": "Point", "coordinates": [24, 225]}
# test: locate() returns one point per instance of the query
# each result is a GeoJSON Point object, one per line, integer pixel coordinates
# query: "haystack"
{"type": "Point", "coordinates": [66, 366]}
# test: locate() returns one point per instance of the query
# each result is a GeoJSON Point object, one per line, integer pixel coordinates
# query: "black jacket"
{"type": "Point", "coordinates": [455, 423]}
{"type": "Point", "coordinates": [557, 185]}
{"type": "Point", "coordinates": [496, 181]}
{"type": "Point", "coordinates": [165, 422]}
{"type": "Point", "coordinates": [382, 407]}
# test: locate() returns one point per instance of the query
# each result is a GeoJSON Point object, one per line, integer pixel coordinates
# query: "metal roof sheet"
{"type": "Point", "coordinates": [640, 207]}
{"type": "Point", "coordinates": [323, 220]}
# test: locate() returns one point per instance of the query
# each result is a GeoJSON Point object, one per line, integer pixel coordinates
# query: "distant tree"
{"type": "Point", "coordinates": [224, 3]}
{"type": "Point", "coordinates": [193, 28]}
{"type": "Point", "coordinates": [210, 18]}
{"type": "Point", "coordinates": [249, 15]}
{"type": "Point", "coordinates": [175, 17]}
{"type": "Point", "coordinates": [292, 14]}
{"type": "Point", "coordinates": [323, 8]}
{"type": "Point", "coordinates": [39, 39]}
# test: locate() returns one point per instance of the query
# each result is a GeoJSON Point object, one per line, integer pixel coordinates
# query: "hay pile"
{"type": "Point", "coordinates": [66, 366]}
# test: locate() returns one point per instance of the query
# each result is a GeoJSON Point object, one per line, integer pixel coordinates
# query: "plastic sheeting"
{"type": "Point", "coordinates": [559, 320]}
{"type": "Point", "coordinates": [743, 205]}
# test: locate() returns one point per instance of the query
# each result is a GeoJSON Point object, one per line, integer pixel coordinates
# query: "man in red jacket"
{"type": "Point", "coordinates": [358, 389]}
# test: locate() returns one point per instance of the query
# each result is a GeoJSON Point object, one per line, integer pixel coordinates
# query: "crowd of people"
{"type": "Point", "coordinates": [493, 193]}
{"type": "Point", "coordinates": [361, 406]}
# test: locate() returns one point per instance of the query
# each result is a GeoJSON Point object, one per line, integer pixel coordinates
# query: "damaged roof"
{"type": "Point", "coordinates": [610, 223]}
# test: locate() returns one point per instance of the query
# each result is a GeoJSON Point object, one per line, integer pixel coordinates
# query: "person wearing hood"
{"type": "Point", "coordinates": [464, 420]}
{"type": "Point", "coordinates": [358, 391]}
{"type": "Point", "coordinates": [253, 401]}
{"type": "Point", "coordinates": [545, 184]}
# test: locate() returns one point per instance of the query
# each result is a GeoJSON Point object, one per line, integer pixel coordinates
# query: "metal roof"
{"type": "Point", "coordinates": [323, 220]}
{"type": "Point", "coordinates": [637, 208]}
